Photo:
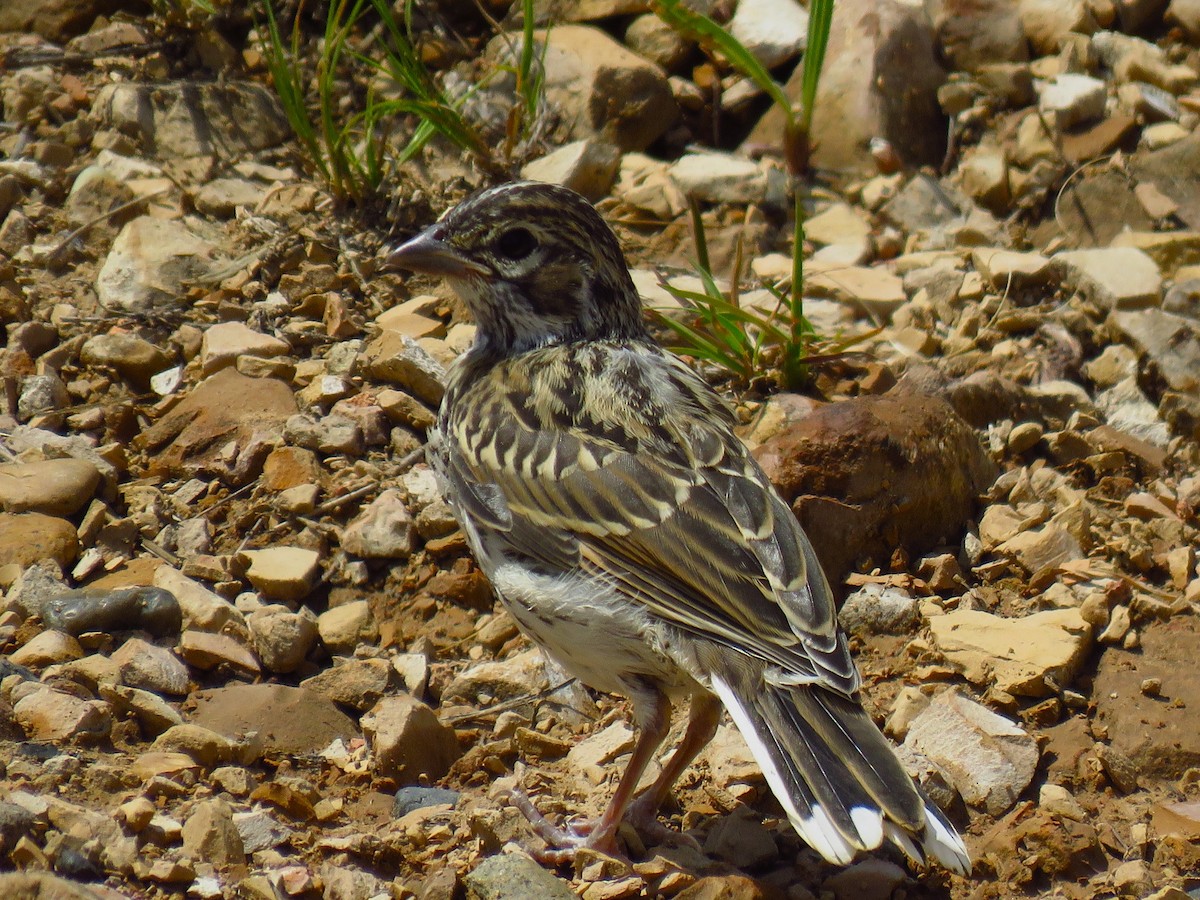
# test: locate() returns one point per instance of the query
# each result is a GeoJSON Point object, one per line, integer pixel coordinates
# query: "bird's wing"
{"type": "Point", "coordinates": [645, 485]}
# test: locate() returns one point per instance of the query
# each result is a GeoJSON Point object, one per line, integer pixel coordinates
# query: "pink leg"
{"type": "Point", "coordinates": [653, 713]}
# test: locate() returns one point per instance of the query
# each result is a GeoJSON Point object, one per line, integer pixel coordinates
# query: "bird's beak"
{"type": "Point", "coordinates": [430, 256]}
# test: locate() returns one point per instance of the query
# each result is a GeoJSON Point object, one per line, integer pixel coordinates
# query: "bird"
{"type": "Point", "coordinates": [630, 533]}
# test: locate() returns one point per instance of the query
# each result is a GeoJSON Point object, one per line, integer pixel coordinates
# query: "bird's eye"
{"type": "Point", "coordinates": [516, 243]}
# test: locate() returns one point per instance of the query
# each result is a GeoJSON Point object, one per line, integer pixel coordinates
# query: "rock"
{"type": "Point", "coordinates": [870, 879]}
{"type": "Point", "coordinates": [41, 394]}
{"type": "Point", "coordinates": [1069, 100]}
{"type": "Point", "coordinates": [331, 434]}
{"type": "Point", "coordinates": [650, 37]}
{"type": "Point", "coordinates": [879, 609]}
{"type": "Point", "coordinates": [285, 574]}
{"type": "Point", "coordinates": [286, 719]}
{"type": "Point", "coordinates": [202, 745]}
{"type": "Point", "coordinates": [152, 263]}
{"type": "Point", "coordinates": [1032, 656]}
{"type": "Point", "coordinates": [173, 120]}
{"type": "Point", "coordinates": [645, 183]}
{"type": "Point", "coordinates": [741, 839]}
{"type": "Point", "coordinates": [343, 627]}
{"type": "Point", "coordinates": [26, 538]}
{"type": "Point", "coordinates": [200, 608]}
{"type": "Point", "coordinates": [1129, 412]}
{"type": "Point", "coordinates": [46, 714]}
{"type": "Point", "coordinates": [587, 166]}
{"type": "Point", "coordinates": [1185, 14]}
{"type": "Point", "coordinates": [383, 530]}
{"type": "Point", "coordinates": [224, 342]}
{"type": "Point", "coordinates": [204, 650]}
{"type": "Point", "coordinates": [727, 887]}
{"type": "Point", "coordinates": [56, 487]}
{"type": "Point", "coordinates": [1043, 548]}
{"type": "Point", "coordinates": [988, 759]}
{"type": "Point", "coordinates": [282, 638]}
{"type": "Point", "coordinates": [413, 797]}
{"type": "Point", "coordinates": [858, 474]}
{"type": "Point", "coordinates": [398, 359]}
{"type": "Point", "coordinates": [601, 89]}
{"type": "Point", "coordinates": [129, 355]}
{"type": "Point", "coordinates": [774, 31]}
{"type": "Point", "coordinates": [221, 197]}
{"type": "Point", "coordinates": [227, 425]}
{"type": "Point", "coordinates": [357, 683]}
{"type": "Point", "coordinates": [1170, 342]}
{"type": "Point", "coordinates": [209, 834]}
{"type": "Point", "coordinates": [840, 226]}
{"type": "Point", "coordinates": [518, 676]}
{"type": "Point", "coordinates": [592, 756]}
{"type": "Point", "coordinates": [97, 193]}
{"type": "Point", "coordinates": [150, 667]}
{"type": "Point", "coordinates": [1114, 278]}
{"type": "Point", "coordinates": [1049, 23]}
{"type": "Point", "coordinates": [408, 741]}
{"type": "Point", "coordinates": [874, 289]}
{"type": "Point", "coordinates": [146, 608]}
{"type": "Point", "coordinates": [46, 649]}
{"type": "Point", "coordinates": [724, 178]}
{"type": "Point", "coordinates": [1159, 735]}
{"type": "Point", "coordinates": [511, 876]}
{"type": "Point", "coordinates": [154, 714]}
{"type": "Point", "coordinates": [983, 174]}
{"type": "Point", "coordinates": [879, 81]}
{"type": "Point", "coordinates": [975, 34]}
{"type": "Point", "coordinates": [39, 885]}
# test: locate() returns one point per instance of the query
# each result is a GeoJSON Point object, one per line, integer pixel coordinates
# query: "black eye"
{"type": "Point", "coordinates": [516, 243]}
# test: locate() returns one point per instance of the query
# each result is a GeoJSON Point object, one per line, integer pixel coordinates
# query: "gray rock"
{"type": "Point", "coordinates": [41, 394]}
{"type": "Point", "coordinates": [774, 31]}
{"type": "Point", "coordinates": [383, 530]}
{"type": "Point", "coordinates": [146, 608]}
{"type": "Point", "coordinates": [878, 609]}
{"type": "Point", "coordinates": [1127, 409]}
{"type": "Point", "coordinates": [514, 877]}
{"type": "Point", "coordinates": [414, 797]}
{"type": "Point", "coordinates": [188, 118]}
{"type": "Point", "coordinates": [587, 166]}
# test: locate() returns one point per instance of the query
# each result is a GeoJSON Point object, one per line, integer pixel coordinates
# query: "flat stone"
{"type": "Point", "coordinates": [1169, 341]}
{"type": "Point", "coordinates": [358, 683]}
{"type": "Point", "coordinates": [1041, 548]}
{"type": "Point", "coordinates": [1113, 277]}
{"type": "Point", "coordinates": [398, 359]}
{"type": "Point", "coordinates": [50, 715]}
{"type": "Point", "coordinates": [988, 759]}
{"type": "Point", "coordinates": [287, 719]}
{"type": "Point", "coordinates": [724, 178]}
{"type": "Point", "coordinates": [224, 342]}
{"type": "Point", "coordinates": [593, 755]}
{"type": "Point", "coordinates": [204, 650]}
{"type": "Point", "coordinates": [1002, 268]}
{"type": "Point", "coordinates": [46, 649]}
{"type": "Point", "coordinates": [56, 487]}
{"type": "Point", "coordinates": [176, 120]}
{"type": "Point", "coordinates": [1032, 656]}
{"type": "Point", "coordinates": [150, 667]}
{"type": "Point", "coordinates": [1159, 735]}
{"type": "Point", "coordinates": [283, 573]}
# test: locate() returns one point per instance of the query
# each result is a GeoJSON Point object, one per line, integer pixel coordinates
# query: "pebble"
{"type": "Point", "coordinates": [282, 638]}
{"type": "Point", "coordinates": [343, 627]}
{"type": "Point", "coordinates": [879, 609]}
{"type": "Point", "coordinates": [152, 668]}
{"type": "Point", "coordinates": [285, 574]}
{"type": "Point", "coordinates": [383, 530]}
{"type": "Point", "coordinates": [54, 487]}
{"type": "Point", "coordinates": [515, 877]}
{"type": "Point", "coordinates": [408, 741]}
{"type": "Point", "coordinates": [130, 356]}
{"type": "Point", "coordinates": [150, 609]}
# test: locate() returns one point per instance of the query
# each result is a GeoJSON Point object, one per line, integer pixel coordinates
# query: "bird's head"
{"type": "Point", "coordinates": [535, 264]}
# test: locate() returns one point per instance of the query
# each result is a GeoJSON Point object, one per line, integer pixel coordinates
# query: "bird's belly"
{"type": "Point", "coordinates": [591, 631]}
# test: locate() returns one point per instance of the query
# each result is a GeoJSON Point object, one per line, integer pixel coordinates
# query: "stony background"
{"type": "Point", "coordinates": [242, 650]}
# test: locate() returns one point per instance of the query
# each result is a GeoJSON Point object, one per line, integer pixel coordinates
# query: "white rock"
{"type": "Point", "coordinates": [1112, 277]}
{"type": "Point", "coordinates": [283, 573]}
{"type": "Point", "coordinates": [586, 166]}
{"type": "Point", "coordinates": [773, 30]}
{"type": "Point", "coordinates": [988, 759]}
{"type": "Point", "coordinates": [1071, 99]}
{"type": "Point", "coordinates": [224, 342]}
{"type": "Point", "coordinates": [725, 178]}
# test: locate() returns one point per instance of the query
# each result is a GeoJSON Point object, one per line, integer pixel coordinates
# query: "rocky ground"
{"type": "Point", "coordinates": [242, 649]}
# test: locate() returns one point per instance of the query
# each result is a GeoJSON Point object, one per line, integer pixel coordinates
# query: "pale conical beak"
{"type": "Point", "coordinates": [430, 256]}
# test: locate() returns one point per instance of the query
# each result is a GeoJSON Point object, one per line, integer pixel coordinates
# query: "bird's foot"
{"type": "Point", "coordinates": [564, 843]}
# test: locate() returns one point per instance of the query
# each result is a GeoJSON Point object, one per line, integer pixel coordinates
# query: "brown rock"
{"type": "Point", "coordinates": [1160, 735]}
{"type": "Point", "coordinates": [408, 739]}
{"type": "Point", "coordinates": [287, 719]}
{"type": "Point", "coordinates": [871, 474]}
{"type": "Point", "coordinates": [57, 487]}
{"type": "Point", "coordinates": [26, 538]}
{"type": "Point", "coordinates": [226, 407]}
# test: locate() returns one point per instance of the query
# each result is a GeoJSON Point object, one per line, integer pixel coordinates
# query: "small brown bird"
{"type": "Point", "coordinates": [630, 533]}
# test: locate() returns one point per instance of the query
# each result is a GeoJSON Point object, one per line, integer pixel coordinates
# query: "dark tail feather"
{"type": "Point", "coordinates": [837, 776]}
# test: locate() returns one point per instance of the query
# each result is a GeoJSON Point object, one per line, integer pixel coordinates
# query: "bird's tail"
{"type": "Point", "coordinates": [837, 776]}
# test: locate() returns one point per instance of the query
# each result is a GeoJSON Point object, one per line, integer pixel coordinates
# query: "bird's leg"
{"type": "Point", "coordinates": [652, 711]}
{"type": "Point", "coordinates": [703, 716]}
